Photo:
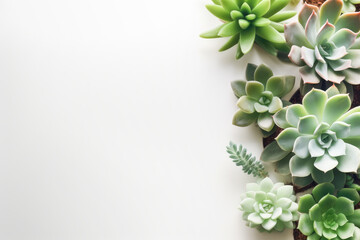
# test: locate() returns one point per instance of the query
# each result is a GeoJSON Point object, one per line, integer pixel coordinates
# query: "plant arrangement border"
{"type": "Point", "coordinates": [312, 139]}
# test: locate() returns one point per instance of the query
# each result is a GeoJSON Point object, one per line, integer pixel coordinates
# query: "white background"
{"type": "Point", "coordinates": [114, 120]}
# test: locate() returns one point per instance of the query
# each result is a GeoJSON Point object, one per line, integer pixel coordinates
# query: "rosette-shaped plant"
{"type": "Point", "coordinates": [325, 216]}
{"type": "Point", "coordinates": [260, 96]}
{"type": "Point", "coordinates": [249, 21]}
{"type": "Point", "coordinates": [320, 139]}
{"type": "Point", "coordinates": [324, 43]}
{"type": "Point", "coordinates": [268, 206]}
{"type": "Point", "coordinates": [349, 5]}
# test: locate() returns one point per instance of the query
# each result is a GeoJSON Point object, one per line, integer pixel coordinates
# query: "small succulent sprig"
{"type": "Point", "coordinates": [324, 43]}
{"type": "Point", "coordinates": [241, 157]}
{"type": "Point", "coordinates": [260, 96]}
{"type": "Point", "coordinates": [320, 141]}
{"type": "Point", "coordinates": [324, 215]}
{"type": "Point", "coordinates": [268, 206]}
{"type": "Point", "coordinates": [250, 21]}
{"type": "Point", "coordinates": [349, 5]}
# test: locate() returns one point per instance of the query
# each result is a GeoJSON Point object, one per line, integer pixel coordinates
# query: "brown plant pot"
{"type": "Point", "coordinates": [320, 2]}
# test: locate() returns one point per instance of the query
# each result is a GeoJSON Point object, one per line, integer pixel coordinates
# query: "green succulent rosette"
{"type": "Point", "coordinates": [324, 215]}
{"type": "Point", "coordinates": [250, 21]}
{"type": "Point", "coordinates": [324, 43]}
{"type": "Point", "coordinates": [260, 96]}
{"type": "Point", "coordinates": [320, 139]}
{"type": "Point", "coordinates": [268, 206]}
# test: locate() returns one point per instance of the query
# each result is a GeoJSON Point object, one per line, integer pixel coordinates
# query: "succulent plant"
{"type": "Point", "coordinates": [349, 5]}
{"type": "Point", "coordinates": [268, 206]}
{"type": "Point", "coordinates": [260, 96]}
{"type": "Point", "coordinates": [323, 42]}
{"type": "Point", "coordinates": [326, 216]}
{"type": "Point", "coordinates": [320, 139]}
{"type": "Point", "coordinates": [249, 21]}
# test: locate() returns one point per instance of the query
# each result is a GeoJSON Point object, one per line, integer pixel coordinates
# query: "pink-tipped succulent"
{"type": "Point", "coordinates": [323, 42]}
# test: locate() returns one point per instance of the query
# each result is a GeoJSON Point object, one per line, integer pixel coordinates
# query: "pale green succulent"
{"type": "Point", "coordinates": [260, 96]}
{"type": "Point", "coordinates": [349, 5]}
{"type": "Point", "coordinates": [250, 21]}
{"type": "Point", "coordinates": [320, 139]}
{"type": "Point", "coordinates": [268, 206]}
{"type": "Point", "coordinates": [324, 215]}
{"type": "Point", "coordinates": [323, 42]}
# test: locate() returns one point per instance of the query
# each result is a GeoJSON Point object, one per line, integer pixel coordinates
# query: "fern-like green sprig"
{"type": "Point", "coordinates": [249, 164]}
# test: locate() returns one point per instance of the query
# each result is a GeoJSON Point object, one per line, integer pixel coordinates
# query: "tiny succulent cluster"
{"type": "Point", "coordinates": [260, 96]}
{"type": "Point", "coordinates": [241, 157]}
{"type": "Point", "coordinates": [268, 206]}
{"type": "Point", "coordinates": [326, 216]}
{"type": "Point", "coordinates": [320, 135]}
{"type": "Point", "coordinates": [250, 21]}
{"type": "Point", "coordinates": [324, 44]}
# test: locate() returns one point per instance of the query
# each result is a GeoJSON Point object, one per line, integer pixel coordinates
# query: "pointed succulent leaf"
{"type": "Point", "coordinates": [229, 5]}
{"type": "Point", "coordinates": [306, 225]}
{"type": "Point", "coordinates": [335, 107]}
{"type": "Point", "coordinates": [230, 43]}
{"type": "Point", "coordinates": [308, 124]}
{"type": "Point", "coordinates": [275, 105]}
{"type": "Point", "coordinates": [276, 85]}
{"type": "Point", "coordinates": [311, 28]}
{"type": "Point", "coordinates": [250, 72]}
{"type": "Point", "coordinates": [305, 13]}
{"type": "Point", "coordinates": [344, 37]}
{"type": "Point", "coordinates": [330, 11]}
{"type": "Point", "coordinates": [262, 8]}
{"type": "Point", "coordinates": [254, 89]}
{"type": "Point", "coordinates": [300, 167]}
{"type": "Point", "coordinates": [276, 6]}
{"type": "Point", "coordinates": [269, 33]}
{"type": "Point", "coordinates": [349, 193]}
{"type": "Point", "coordinates": [273, 153]}
{"type": "Point", "coordinates": [220, 12]}
{"type": "Point", "coordinates": [281, 16]}
{"type": "Point", "coordinates": [246, 104]}
{"type": "Point", "coordinates": [265, 122]}
{"type": "Point", "coordinates": [262, 74]}
{"type": "Point", "coordinates": [243, 119]}
{"type": "Point", "coordinates": [295, 55]}
{"type": "Point", "coordinates": [280, 119]}
{"type": "Point", "coordinates": [325, 32]}
{"type": "Point", "coordinates": [214, 33]}
{"type": "Point", "coordinates": [229, 29]}
{"type": "Point", "coordinates": [286, 138]}
{"type": "Point", "coordinates": [350, 162]}
{"type": "Point", "coordinates": [295, 35]}
{"type": "Point", "coordinates": [309, 75]}
{"type": "Point", "coordinates": [294, 113]}
{"type": "Point", "coordinates": [350, 21]}
{"type": "Point", "coordinates": [322, 190]}
{"type": "Point", "coordinates": [305, 203]}
{"type": "Point", "coordinates": [247, 38]}
{"type": "Point", "coordinates": [344, 205]}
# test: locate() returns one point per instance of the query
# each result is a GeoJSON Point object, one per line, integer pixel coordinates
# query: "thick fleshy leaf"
{"type": "Point", "coordinates": [269, 33]}
{"type": "Point", "coordinates": [341, 129]}
{"type": "Point", "coordinates": [315, 149]}
{"type": "Point", "coordinates": [229, 29]}
{"type": "Point", "coordinates": [300, 167]}
{"type": "Point", "coordinates": [321, 177]}
{"type": "Point", "coordinates": [280, 119]}
{"type": "Point", "coordinates": [229, 5]}
{"type": "Point", "coordinates": [350, 162]}
{"type": "Point", "coordinates": [276, 85]}
{"type": "Point", "coordinates": [330, 11]}
{"type": "Point", "coordinates": [247, 204]}
{"type": "Point", "coordinates": [275, 105]}
{"type": "Point", "coordinates": [343, 37]}
{"type": "Point", "coordinates": [213, 33]}
{"type": "Point", "coordinates": [352, 76]}
{"type": "Point", "coordinates": [325, 163]}
{"type": "Point", "coordinates": [244, 24]}
{"type": "Point", "coordinates": [268, 224]}
{"type": "Point", "coordinates": [322, 70]}
{"type": "Point", "coordinates": [266, 184]}
{"type": "Point", "coordinates": [301, 148]}
{"type": "Point", "coordinates": [261, 22]}
{"type": "Point", "coordinates": [318, 55]}
{"type": "Point", "coordinates": [350, 21]}
{"type": "Point", "coordinates": [302, 181]}
{"type": "Point", "coordinates": [282, 166]}
{"type": "Point", "coordinates": [246, 104]}
{"type": "Point", "coordinates": [261, 108]}
{"type": "Point", "coordinates": [254, 89]}
{"type": "Point", "coordinates": [306, 12]}
{"type": "Point", "coordinates": [294, 113]}
{"type": "Point", "coordinates": [335, 107]}
{"type": "Point", "coordinates": [340, 65]}
{"type": "Point", "coordinates": [230, 43]}
{"type": "Point", "coordinates": [348, 7]}
{"type": "Point", "coordinates": [308, 124]}
{"type": "Point", "coordinates": [346, 231]}
{"type": "Point", "coordinates": [305, 224]}
{"type": "Point", "coordinates": [286, 138]}
{"type": "Point", "coordinates": [314, 102]}
{"type": "Point", "coordinates": [355, 218]}
{"type": "Point", "coordinates": [243, 119]}
{"type": "Point", "coordinates": [325, 32]}
{"type": "Point", "coordinates": [220, 12]}
{"type": "Point", "coordinates": [322, 190]}
{"type": "Point", "coordinates": [262, 74]}
{"type": "Point", "coordinates": [238, 88]}
{"type": "Point", "coordinates": [239, 53]}
{"type": "Point", "coordinates": [250, 71]}
{"type": "Point", "coordinates": [289, 85]}
{"type": "Point", "coordinates": [337, 149]}
{"type": "Point", "coordinates": [255, 218]}
{"type": "Point", "coordinates": [337, 53]}
{"type": "Point", "coordinates": [308, 75]}
{"type": "Point", "coordinates": [265, 122]}
{"type": "Point", "coordinates": [327, 202]}
{"type": "Point", "coordinates": [262, 8]}
{"type": "Point", "coordinates": [235, 14]}
{"type": "Point", "coordinates": [335, 77]}
{"type": "Point", "coordinates": [247, 38]}
{"type": "Point", "coordinates": [273, 153]}
{"type": "Point", "coordinates": [305, 203]}
{"type": "Point", "coordinates": [295, 55]}
{"type": "Point", "coordinates": [354, 56]}
{"type": "Point", "coordinates": [344, 205]}
{"type": "Point", "coordinates": [308, 56]}
{"type": "Point", "coordinates": [276, 6]}
{"type": "Point", "coordinates": [351, 194]}
{"type": "Point", "coordinates": [354, 121]}
{"type": "Point", "coordinates": [295, 35]}
{"type": "Point", "coordinates": [285, 191]}
{"type": "Point", "coordinates": [283, 15]}
{"type": "Point", "coordinates": [311, 28]}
